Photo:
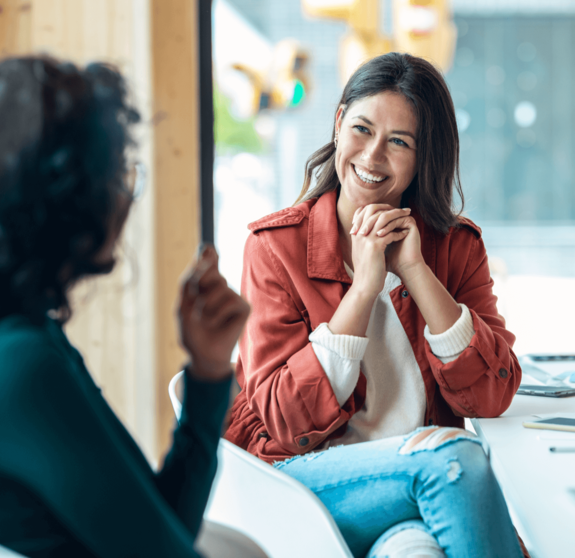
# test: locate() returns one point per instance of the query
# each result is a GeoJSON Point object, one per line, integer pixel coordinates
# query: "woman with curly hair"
{"type": "Point", "coordinates": [374, 330]}
{"type": "Point", "coordinates": [73, 482]}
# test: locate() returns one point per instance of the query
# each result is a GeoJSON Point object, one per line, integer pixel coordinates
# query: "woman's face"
{"type": "Point", "coordinates": [376, 156]}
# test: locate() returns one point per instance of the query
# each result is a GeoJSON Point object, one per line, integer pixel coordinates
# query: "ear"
{"type": "Point", "coordinates": [339, 117]}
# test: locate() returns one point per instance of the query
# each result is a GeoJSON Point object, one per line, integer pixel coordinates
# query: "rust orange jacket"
{"type": "Point", "coordinates": [294, 278]}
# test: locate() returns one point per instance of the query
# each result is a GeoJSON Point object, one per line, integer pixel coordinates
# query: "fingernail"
{"type": "Point", "coordinates": [380, 233]}
{"type": "Point", "coordinates": [363, 231]}
{"type": "Point", "coordinates": [407, 209]}
{"type": "Point", "coordinates": [353, 229]}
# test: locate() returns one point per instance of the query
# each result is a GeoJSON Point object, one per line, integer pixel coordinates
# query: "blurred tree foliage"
{"type": "Point", "coordinates": [230, 133]}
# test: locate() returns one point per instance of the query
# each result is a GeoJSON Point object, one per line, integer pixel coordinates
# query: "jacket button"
{"type": "Point", "coordinates": [404, 294]}
{"type": "Point", "coordinates": [503, 373]}
{"type": "Point", "coordinates": [263, 435]}
{"type": "Point", "coordinates": [304, 441]}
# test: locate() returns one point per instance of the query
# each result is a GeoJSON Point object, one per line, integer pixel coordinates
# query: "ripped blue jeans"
{"type": "Point", "coordinates": [438, 475]}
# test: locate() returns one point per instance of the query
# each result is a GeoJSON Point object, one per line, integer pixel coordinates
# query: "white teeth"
{"type": "Point", "coordinates": [368, 177]}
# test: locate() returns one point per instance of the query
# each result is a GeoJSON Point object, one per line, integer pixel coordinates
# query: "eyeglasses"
{"type": "Point", "coordinates": [136, 180]}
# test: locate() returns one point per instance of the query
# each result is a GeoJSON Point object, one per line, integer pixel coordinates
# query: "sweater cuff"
{"type": "Point", "coordinates": [344, 346]}
{"type": "Point", "coordinates": [340, 357]}
{"type": "Point", "coordinates": [447, 346]}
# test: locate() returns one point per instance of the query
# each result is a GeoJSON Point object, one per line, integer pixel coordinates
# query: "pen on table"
{"type": "Point", "coordinates": [564, 449]}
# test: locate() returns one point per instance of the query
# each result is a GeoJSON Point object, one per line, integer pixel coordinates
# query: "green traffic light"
{"type": "Point", "coordinates": [298, 93]}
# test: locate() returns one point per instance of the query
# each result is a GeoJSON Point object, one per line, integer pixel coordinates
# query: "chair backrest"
{"type": "Point", "coordinates": [279, 513]}
{"type": "Point", "coordinates": [7, 553]}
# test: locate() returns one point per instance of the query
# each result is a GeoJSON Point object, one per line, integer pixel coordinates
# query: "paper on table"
{"type": "Point", "coordinates": [553, 415]}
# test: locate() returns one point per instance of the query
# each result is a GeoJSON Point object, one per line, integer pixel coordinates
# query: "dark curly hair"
{"type": "Point", "coordinates": [63, 165]}
{"type": "Point", "coordinates": [418, 81]}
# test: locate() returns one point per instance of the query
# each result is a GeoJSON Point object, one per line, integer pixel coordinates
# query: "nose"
{"type": "Point", "coordinates": [375, 152]}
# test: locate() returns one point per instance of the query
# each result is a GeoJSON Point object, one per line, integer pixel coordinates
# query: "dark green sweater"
{"type": "Point", "coordinates": [72, 480]}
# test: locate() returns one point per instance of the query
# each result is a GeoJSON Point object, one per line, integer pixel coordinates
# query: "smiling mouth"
{"type": "Point", "coordinates": [368, 178]}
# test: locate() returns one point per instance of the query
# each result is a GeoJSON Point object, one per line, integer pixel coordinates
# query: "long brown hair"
{"type": "Point", "coordinates": [431, 191]}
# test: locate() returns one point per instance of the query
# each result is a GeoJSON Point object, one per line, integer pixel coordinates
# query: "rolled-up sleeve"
{"type": "Point", "coordinates": [485, 376]}
{"type": "Point", "coordinates": [447, 346]}
{"type": "Point", "coordinates": [284, 382]}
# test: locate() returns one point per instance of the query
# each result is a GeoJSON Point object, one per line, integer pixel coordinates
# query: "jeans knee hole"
{"type": "Point", "coordinates": [453, 470]}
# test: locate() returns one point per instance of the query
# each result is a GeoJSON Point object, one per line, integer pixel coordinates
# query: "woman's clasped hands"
{"type": "Point", "coordinates": [384, 238]}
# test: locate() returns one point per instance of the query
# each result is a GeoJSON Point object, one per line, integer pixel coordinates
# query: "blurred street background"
{"type": "Point", "coordinates": [510, 65]}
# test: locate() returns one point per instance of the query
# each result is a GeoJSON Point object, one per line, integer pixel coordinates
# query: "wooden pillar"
{"type": "Point", "coordinates": [15, 27]}
{"type": "Point", "coordinates": [174, 86]}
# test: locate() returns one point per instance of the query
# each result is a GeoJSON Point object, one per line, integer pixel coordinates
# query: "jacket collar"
{"type": "Point", "coordinates": [324, 255]}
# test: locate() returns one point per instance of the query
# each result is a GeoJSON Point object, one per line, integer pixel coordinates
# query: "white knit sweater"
{"type": "Point", "coordinates": [395, 400]}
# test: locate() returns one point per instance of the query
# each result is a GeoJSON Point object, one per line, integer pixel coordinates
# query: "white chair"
{"type": "Point", "coordinates": [280, 514]}
{"type": "Point", "coordinates": [7, 553]}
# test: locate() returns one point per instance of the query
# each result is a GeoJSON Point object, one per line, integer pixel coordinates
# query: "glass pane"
{"type": "Point", "coordinates": [512, 83]}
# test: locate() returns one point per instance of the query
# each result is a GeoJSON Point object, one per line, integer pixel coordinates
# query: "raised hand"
{"type": "Point", "coordinates": [211, 317]}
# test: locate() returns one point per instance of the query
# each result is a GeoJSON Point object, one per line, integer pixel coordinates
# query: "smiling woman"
{"type": "Point", "coordinates": [427, 113]}
{"type": "Point", "coordinates": [377, 153]}
{"type": "Point", "coordinates": [373, 322]}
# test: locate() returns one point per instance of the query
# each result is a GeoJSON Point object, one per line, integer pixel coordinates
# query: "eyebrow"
{"type": "Point", "coordinates": [398, 132]}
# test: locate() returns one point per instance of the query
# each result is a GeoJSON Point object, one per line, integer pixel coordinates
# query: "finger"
{"type": "Point", "coordinates": [364, 214]}
{"type": "Point", "coordinates": [210, 280]}
{"type": "Point", "coordinates": [215, 298]}
{"type": "Point", "coordinates": [368, 224]}
{"type": "Point", "coordinates": [190, 287]}
{"type": "Point", "coordinates": [377, 209]}
{"type": "Point", "coordinates": [382, 221]}
{"type": "Point", "coordinates": [357, 219]}
{"type": "Point", "coordinates": [394, 236]}
{"type": "Point", "coordinates": [207, 251]}
{"type": "Point", "coordinates": [231, 311]}
{"type": "Point", "coordinates": [373, 208]}
{"type": "Point", "coordinates": [396, 213]}
{"type": "Point", "coordinates": [198, 273]}
{"type": "Point", "coordinates": [199, 281]}
{"type": "Point", "coordinates": [369, 211]}
{"type": "Point", "coordinates": [211, 288]}
{"type": "Point", "coordinates": [206, 258]}
{"type": "Point", "coordinates": [394, 224]}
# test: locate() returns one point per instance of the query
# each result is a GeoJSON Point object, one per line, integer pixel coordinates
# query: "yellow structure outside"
{"type": "Point", "coordinates": [420, 27]}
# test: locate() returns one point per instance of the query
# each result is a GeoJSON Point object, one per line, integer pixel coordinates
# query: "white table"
{"type": "Point", "coordinates": [539, 485]}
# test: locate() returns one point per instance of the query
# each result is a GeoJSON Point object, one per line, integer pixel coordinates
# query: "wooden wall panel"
{"type": "Point", "coordinates": [15, 27]}
{"type": "Point", "coordinates": [174, 86]}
